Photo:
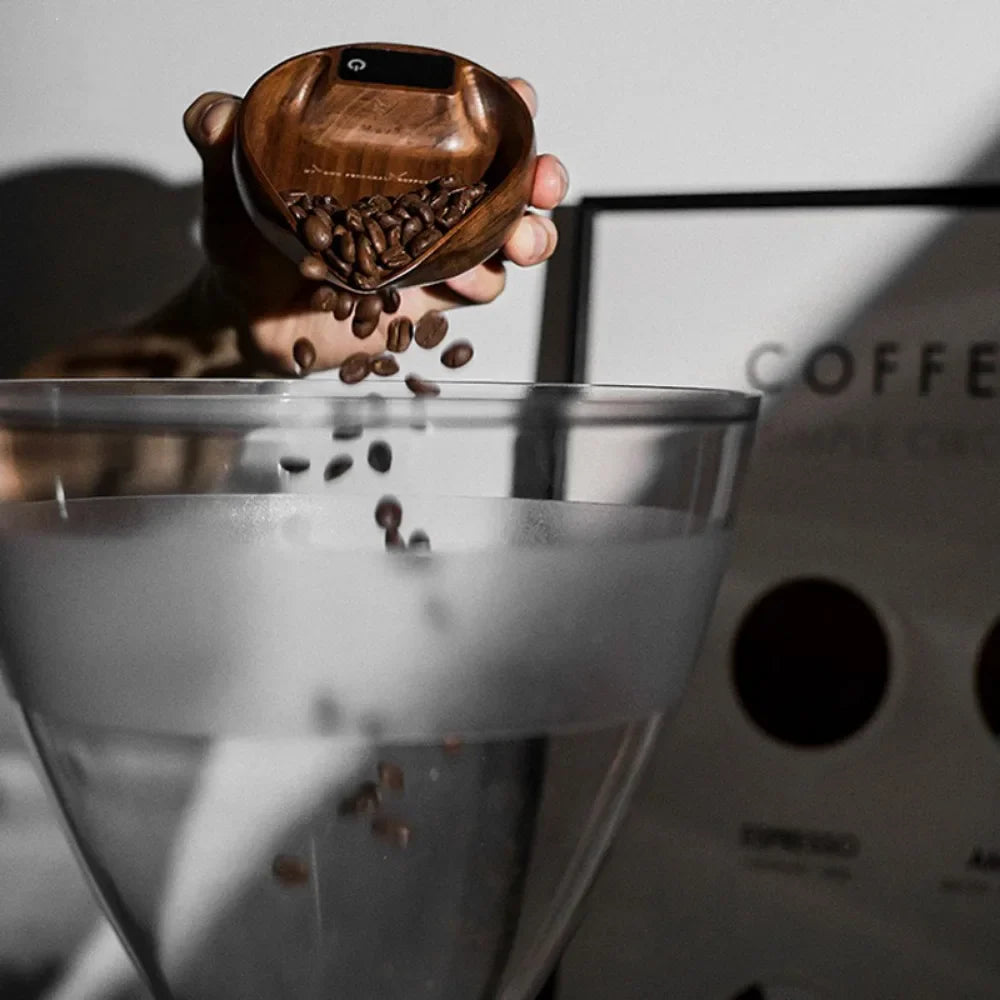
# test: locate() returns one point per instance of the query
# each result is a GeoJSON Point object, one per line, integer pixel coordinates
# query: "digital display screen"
{"type": "Point", "coordinates": [398, 69]}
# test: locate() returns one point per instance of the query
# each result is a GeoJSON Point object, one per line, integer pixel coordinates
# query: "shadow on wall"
{"type": "Point", "coordinates": [96, 246]}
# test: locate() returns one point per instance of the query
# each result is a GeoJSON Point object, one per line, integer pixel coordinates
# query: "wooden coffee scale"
{"type": "Point", "coordinates": [354, 121]}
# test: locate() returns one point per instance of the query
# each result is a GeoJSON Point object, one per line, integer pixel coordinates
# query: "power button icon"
{"type": "Point", "coordinates": [356, 65]}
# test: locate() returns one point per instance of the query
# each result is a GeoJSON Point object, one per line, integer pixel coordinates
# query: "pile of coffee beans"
{"type": "Point", "coordinates": [367, 242]}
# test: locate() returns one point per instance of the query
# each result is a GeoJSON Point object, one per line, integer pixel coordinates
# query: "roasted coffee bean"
{"type": "Point", "coordinates": [431, 329]}
{"type": "Point", "coordinates": [439, 202]}
{"type": "Point", "coordinates": [380, 203]}
{"type": "Point", "coordinates": [375, 235]}
{"type": "Point", "coordinates": [392, 830]}
{"type": "Point", "coordinates": [328, 202]}
{"type": "Point", "coordinates": [390, 776]}
{"type": "Point", "coordinates": [364, 802]}
{"type": "Point", "coordinates": [400, 212]}
{"type": "Point", "coordinates": [400, 334]}
{"type": "Point", "coordinates": [344, 247]}
{"type": "Point", "coordinates": [450, 218]}
{"type": "Point", "coordinates": [463, 201]}
{"type": "Point", "coordinates": [410, 230]}
{"type": "Point", "coordinates": [336, 264]}
{"type": "Point", "coordinates": [394, 237]}
{"type": "Point", "coordinates": [387, 222]}
{"type": "Point", "coordinates": [478, 190]}
{"type": "Point", "coordinates": [390, 300]}
{"type": "Point", "coordinates": [363, 328]}
{"type": "Point", "coordinates": [290, 871]}
{"type": "Point", "coordinates": [393, 539]}
{"type": "Point", "coordinates": [424, 241]}
{"type": "Point", "coordinates": [368, 307]}
{"type": "Point", "coordinates": [385, 366]}
{"type": "Point", "coordinates": [425, 213]}
{"type": "Point", "coordinates": [293, 464]}
{"type": "Point", "coordinates": [412, 202]}
{"type": "Point", "coordinates": [344, 304]}
{"type": "Point", "coordinates": [299, 212]}
{"type": "Point", "coordinates": [388, 513]}
{"type": "Point", "coordinates": [337, 466]}
{"type": "Point", "coordinates": [459, 354]}
{"type": "Point", "coordinates": [313, 268]}
{"type": "Point", "coordinates": [448, 182]}
{"type": "Point", "coordinates": [323, 299]}
{"type": "Point", "coordinates": [354, 369]}
{"type": "Point", "coordinates": [364, 283]}
{"type": "Point", "coordinates": [317, 232]}
{"type": "Point", "coordinates": [304, 353]}
{"type": "Point", "coordinates": [419, 541]}
{"type": "Point", "coordinates": [354, 220]}
{"type": "Point", "coordinates": [395, 257]}
{"type": "Point", "coordinates": [421, 387]}
{"type": "Point", "coordinates": [380, 456]}
{"type": "Point", "coordinates": [323, 215]}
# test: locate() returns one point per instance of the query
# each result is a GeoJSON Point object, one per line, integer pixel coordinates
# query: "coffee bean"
{"type": "Point", "coordinates": [421, 387]}
{"type": "Point", "coordinates": [293, 464]}
{"type": "Point", "coordinates": [410, 229]}
{"type": "Point", "coordinates": [290, 871]}
{"type": "Point", "coordinates": [394, 237]}
{"type": "Point", "coordinates": [365, 801]}
{"type": "Point", "coordinates": [431, 329]}
{"type": "Point", "coordinates": [424, 241]}
{"type": "Point", "coordinates": [299, 212]}
{"type": "Point", "coordinates": [344, 304]}
{"type": "Point", "coordinates": [388, 513]}
{"type": "Point", "coordinates": [363, 328]}
{"type": "Point", "coordinates": [395, 257]}
{"type": "Point", "coordinates": [477, 191]}
{"type": "Point", "coordinates": [354, 369]}
{"type": "Point", "coordinates": [390, 775]}
{"type": "Point", "coordinates": [450, 218]}
{"type": "Point", "coordinates": [392, 830]}
{"type": "Point", "coordinates": [344, 247]}
{"type": "Point", "coordinates": [380, 203]}
{"type": "Point", "coordinates": [390, 300]}
{"type": "Point", "coordinates": [347, 432]}
{"type": "Point", "coordinates": [317, 232]}
{"type": "Point", "coordinates": [368, 307]}
{"type": "Point", "coordinates": [329, 203]}
{"type": "Point", "coordinates": [375, 236]}
{"type": "Point", "coordinates": [425, 213]}
{"type": "Point", "coordinates": [400, 212]}
{"type": "Point", "coordinates": [342, 268]}
{"type": "Point", "coordinates": [363, 282]}
{"type": "Point", "coordinates": [304, 353]}
{"type": "Point", "coordinates": [394, 540]}
{"type": "Point", "coordinates": [380, 456]}
{"type": "Point", "coordinates": [411, 201]}
{"type": "Point", "coordinates": [400, 334]}
{"type": "Point", "coordinates": [463, 201]}
{"type": "Point", "coordinates": [313, 268]}
{"type": "Point", "coordinates": [459, 354]}
{"type": "Point", "coordinates": [337, 466]}
{"type": "Point", "coordinates": [439, 202]}
{"type": "Point", "coordinates": [323, 299]}
{"type": "Point", "coordinates": [448, 182]}
{"type": "Point", "coordinates": [387, 222]}
{"type": "Point", "coordinates": [354, 220]}
{"type": "Point", "coordinates": [419, 541]}
{"type": "Point", "coordinates": [385, 366]}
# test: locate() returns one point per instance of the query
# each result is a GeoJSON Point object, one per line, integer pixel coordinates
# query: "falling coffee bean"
{"type": "Point", "coordinates": [290, 871]}
{"type": "Point", "coordinates": [385, 366]}
{"type": "Point", "coordinates": [293, 464]}
{"type": "Point", "coordinates": [304, 353]}
{"type": "Point", "coordinates": [363, 328]}
{"type": "Point", "coordinates": [400, 334]}
{"type": "Point", "coordinates": [317, 232]}
{"type": "Point", "coordinates": [390, 300]}
{"type": "Point", "coordinates": [369, 307]}
{"type": "Point", "coordinates": [344, 304]}
{"type": "Point", "coordinates": [313, 268]}
{"type": "Point", "coordinates": [380, 456]}
{"type": "Point", "coordinates": [421, 387]}
{"type": "Point", "coordinates": [323, 299]}
{"type": "Point", "coordinates": [365, 801]}
{"type": "Point", "coordinates": [337, 466]}
{"type": "Point", "coordinates": [419, 541]}
{"type": "Point", "coordinates": [459, 354]}
{"type": "Point", "coordinates": [388, 513]}
{"type": "Point", "coordinates": [390, 775]}
{"type": "Point", "coordinates": [354, 369]}
{"type": "Point", "coordinates": [391, 830]}
{"type": "Point", "coordinates": [430, 330]}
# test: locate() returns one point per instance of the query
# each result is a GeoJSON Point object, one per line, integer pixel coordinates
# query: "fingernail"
{"type": "Point", "coordinates": [213, 119]}
{"type": "Point", "coordinates": [564, 177]}
{"type": "Point", "coordinates": [540, 239]}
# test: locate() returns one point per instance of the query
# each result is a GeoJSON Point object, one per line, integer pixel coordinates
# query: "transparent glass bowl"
{"type": "Point", "coordinates": [302, 755]}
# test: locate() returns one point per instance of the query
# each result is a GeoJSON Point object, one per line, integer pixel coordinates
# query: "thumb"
{"type": "Point", "coordinates": [210, 123]}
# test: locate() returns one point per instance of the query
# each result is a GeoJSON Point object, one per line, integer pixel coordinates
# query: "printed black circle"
{"type": "Point", "coordinates": [810, 663]}
{"type": "Point", "coordinates": [988, 679]}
